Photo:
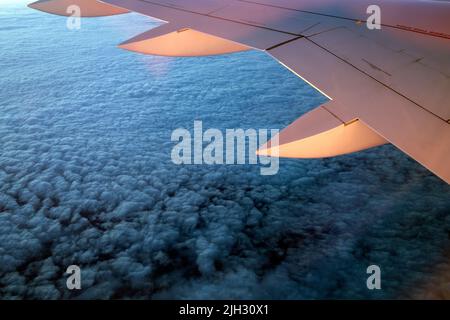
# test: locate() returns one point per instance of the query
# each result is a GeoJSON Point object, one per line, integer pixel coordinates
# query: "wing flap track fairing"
{"type": "Point", "coordinates": [88, 8]}
{"type": "Point", "coordinates": [174, 41]}
{"type": "Point", "coordinates": [321, 134]}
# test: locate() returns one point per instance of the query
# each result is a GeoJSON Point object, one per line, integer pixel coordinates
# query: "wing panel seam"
{"type": "Point", "coordinates": [378, 81]}
{"type": "Point", "coordinates": [220, 18]}
{"type": "Point", "coordinates": [398, 27]}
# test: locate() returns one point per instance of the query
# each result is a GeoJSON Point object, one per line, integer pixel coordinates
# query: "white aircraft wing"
{"type": "Point", "coordinates": [390, 85]}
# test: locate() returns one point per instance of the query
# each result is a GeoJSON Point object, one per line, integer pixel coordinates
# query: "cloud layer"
{"type": "Point", "coordinates": [86, 179]}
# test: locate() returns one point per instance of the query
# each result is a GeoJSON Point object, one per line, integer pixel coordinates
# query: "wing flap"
{"type": "Point", "coordinates": [403, 69]}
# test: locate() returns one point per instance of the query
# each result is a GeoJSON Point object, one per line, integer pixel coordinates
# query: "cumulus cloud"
{"type": "Point", "coordinates": [86, 179]}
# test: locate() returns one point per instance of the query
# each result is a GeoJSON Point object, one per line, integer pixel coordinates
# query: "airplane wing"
{"type": "Point", "coordinates": [388, 85]}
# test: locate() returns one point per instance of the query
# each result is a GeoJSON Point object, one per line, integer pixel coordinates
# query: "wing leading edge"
{"type": "Point", "coordinates": [389, 85]}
